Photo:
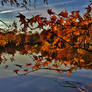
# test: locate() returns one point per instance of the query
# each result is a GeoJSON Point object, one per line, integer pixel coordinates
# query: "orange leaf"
{"type": "Point", "coordinates": [45, 64]}
{"type": "Point", "coordinates": [68, 62]}
{"type": "Point", "coordinates": [27, 65]}
{"type": "Point", "coordinates": [69, 73]}
{"type": "Point", "coordinates": [35, 67]}
{"type": "Point", "coordinates": [59, 71]}
{"type": "Point", "coordinates": [59, 44]}
{"type": "Point", "coordinates": [82, 61]}
{"type": "Point", "coordinates": [54, 66]}
{"type": "Point", "coordinates": [49, 62]}
{"type": "Point", "coordinates": [15, 71]}
{"type": "Point", "coordinates": [81, 51]}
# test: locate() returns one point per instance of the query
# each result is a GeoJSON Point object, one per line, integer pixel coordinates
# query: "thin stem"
{"type": "Point", "coordinates": [4, 23]}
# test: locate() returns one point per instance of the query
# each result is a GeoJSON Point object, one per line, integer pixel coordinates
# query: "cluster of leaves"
{"type": "Point", "coordinates": [65, 42]}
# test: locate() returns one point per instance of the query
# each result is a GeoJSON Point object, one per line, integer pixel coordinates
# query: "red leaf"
{"type": "Point", "coordinates": [90, 30]}
{"type": "Point", "coordinates": [25, 70]}
{"type": "Point", "coordinates": [39, 19]}
{"type": "Point", "coordinates": [50, 12]}
{"type": "Point", "coordinates": [75, 14]}
{"type": "Point", "coordinates": [63, 14]}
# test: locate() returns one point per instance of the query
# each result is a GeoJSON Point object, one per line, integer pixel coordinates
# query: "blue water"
{"type": "Point", "coordinates": [41, 80]}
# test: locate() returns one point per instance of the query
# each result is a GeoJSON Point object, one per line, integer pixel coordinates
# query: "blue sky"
{"type": "Point", "coordinates": [8, 13]}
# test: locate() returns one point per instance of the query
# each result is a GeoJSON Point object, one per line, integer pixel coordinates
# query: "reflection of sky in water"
{"type": "Point", "coordinates": [43, 82]}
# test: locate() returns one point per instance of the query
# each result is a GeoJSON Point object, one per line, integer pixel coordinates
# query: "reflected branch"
{"type": "Point", "coordinates": [72, 84]}
{"type": "Point", "coordinates": [43, 68]}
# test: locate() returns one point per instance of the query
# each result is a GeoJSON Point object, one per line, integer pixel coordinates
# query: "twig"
{"type": "Point", "coordinates": [4, 23]}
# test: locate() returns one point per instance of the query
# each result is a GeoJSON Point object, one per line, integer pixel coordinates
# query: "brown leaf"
{"type": "Point", "coordinates": [22, 18]}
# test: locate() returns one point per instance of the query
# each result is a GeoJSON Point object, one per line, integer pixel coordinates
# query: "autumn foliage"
{"type": "Point", "coordinates": [66, 40]}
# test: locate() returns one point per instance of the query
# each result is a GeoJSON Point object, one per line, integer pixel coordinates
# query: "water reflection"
{"type": "Point", "coordinates": [42, 80]}
{"type": "Point", "coordinates": [46, 81]}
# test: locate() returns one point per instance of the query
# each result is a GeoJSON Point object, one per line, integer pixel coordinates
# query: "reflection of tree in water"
{"type": "Point", "coordinates": [81, 87]}
{"type": "Point", "coordinates": [38, 62]}
{"type": "Point", "coordinates": [30, 67]}
{"type": "Point", "coordinates": [23, 70]}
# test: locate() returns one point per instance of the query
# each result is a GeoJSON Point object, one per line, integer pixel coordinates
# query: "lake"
{"type": "Point", "coordinates": [42, 80]}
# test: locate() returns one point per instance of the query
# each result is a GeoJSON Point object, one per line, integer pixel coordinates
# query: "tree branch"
{"type": "Point", "coordinates": [4, 23]}
{"type": "Point", "coordinates": [33, 70]}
